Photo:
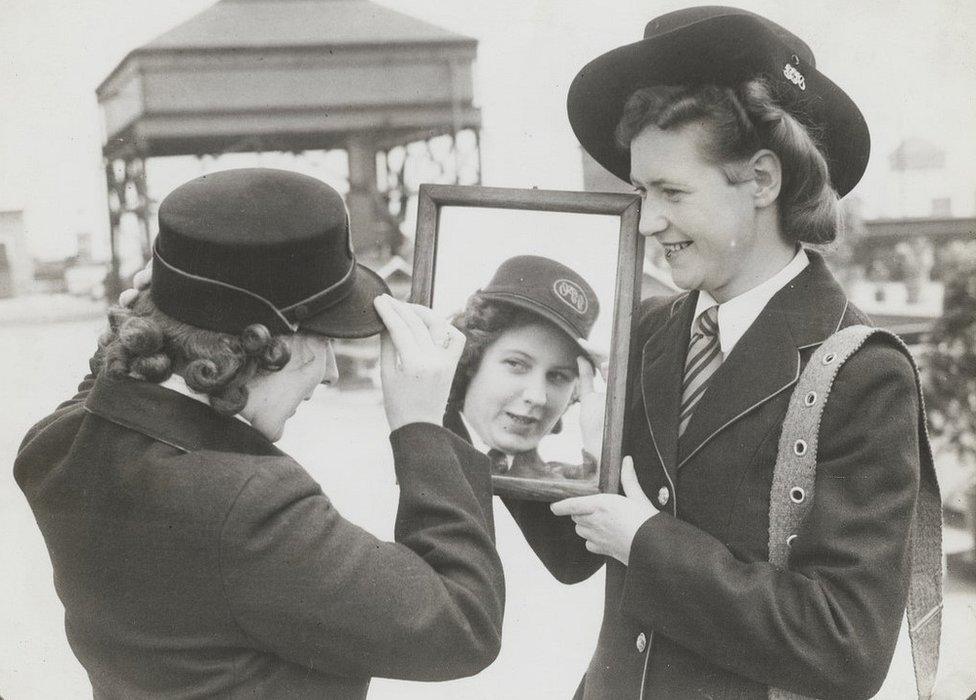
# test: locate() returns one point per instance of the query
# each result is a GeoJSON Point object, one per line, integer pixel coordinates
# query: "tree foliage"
{"type": "Point", "coordinates": [950, 359]}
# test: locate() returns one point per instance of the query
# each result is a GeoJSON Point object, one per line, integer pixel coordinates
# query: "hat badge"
{"type": "Point", "coordinates": [794, 76]}
{"type": "Point", "coordinates": [571, 294]}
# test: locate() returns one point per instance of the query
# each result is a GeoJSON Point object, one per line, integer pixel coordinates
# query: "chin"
{"type": "Point", "coordinates": [272, 432]}
{"type": "Point", "coordinates": [513, 444]}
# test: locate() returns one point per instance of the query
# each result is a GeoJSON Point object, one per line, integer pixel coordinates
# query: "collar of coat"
{"type": "Point", "coordinates": [763, 364]}
{"type": "Point", "coordinates": [172, 418]}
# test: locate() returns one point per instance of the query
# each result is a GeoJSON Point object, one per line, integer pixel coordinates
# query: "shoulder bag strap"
{"type": "Point", "coordinates": [794, 481]}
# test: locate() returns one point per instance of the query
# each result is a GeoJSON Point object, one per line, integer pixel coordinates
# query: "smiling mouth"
{"type": "Point", "coordinates": [671, 249]}
{"type": "Point", "coordinates": [521, 424]}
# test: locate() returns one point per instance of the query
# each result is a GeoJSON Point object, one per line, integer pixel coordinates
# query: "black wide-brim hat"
{"type": "Point", "coordinates": [549, 289]}
{"type": "Point", "coordinates": [722, 46]}
{"type": "Point", "coordinates": [258, 245]}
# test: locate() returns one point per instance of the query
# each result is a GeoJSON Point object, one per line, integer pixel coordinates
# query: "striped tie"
{"type": "Point", "coordinates": [704, 357]}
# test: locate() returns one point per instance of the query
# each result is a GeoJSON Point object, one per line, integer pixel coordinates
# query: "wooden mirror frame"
{"type": "Point", "coordinates": [630, 255]}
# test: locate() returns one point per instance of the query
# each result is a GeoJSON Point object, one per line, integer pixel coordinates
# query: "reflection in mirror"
{"type": "Point", "coordinates": [525, 287]}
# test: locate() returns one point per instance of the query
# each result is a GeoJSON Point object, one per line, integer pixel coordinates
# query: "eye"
{"type": "Point", "coordinates": [671, 194]}
{"type": "Point", "coordinates": [562, 377]}
{"type": "Point", "coordinates": [515, 364]}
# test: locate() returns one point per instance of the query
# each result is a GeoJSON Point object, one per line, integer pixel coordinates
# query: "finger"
{"type": "Point", "coordinates": [578, 505]}
{"type": "Point", "coordinates": [585, 376]}
{"type": "Point", "coordinates": [142, 279]}
{"type": "Point", "coordinates": [441, 331]}
{"type": "Point", "coordinates": [628, 479]}
{"type": "Point", "coordinates": [410, 316]}
{"type": "Point", "coordinates": [400, 334]}
{"type": "Point", "coordinates": [127, 297]}
{"type": "Point", "coordinates": [605, 371]}
{"type": "Point", "coordinates": [388, 353]}
{"type": "Point", "coordinates": [597, 354]}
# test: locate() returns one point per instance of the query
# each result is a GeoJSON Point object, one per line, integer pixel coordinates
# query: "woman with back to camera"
{"type": "Point", "coordinates": [195, 559]}
{"type": "Point", "coordinates": [526, 360]}
{"type": "Point", "coordinates": [739, 147]}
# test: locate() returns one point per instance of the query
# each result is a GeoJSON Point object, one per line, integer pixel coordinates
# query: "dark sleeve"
{"type": "Point", "coordinates": [827, 626]}
{"type": "Point", "coordinates": [306, 584]}
{"type": "Point", "coordinates": [554, 541]}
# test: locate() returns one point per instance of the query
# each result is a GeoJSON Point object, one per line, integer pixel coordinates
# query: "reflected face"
{"type": "Point", "coordinates": [706, 225]}
{"type": "Point", "coordinates": [525, 382]}
{"type": "Point", "coordinates": [273, 397]}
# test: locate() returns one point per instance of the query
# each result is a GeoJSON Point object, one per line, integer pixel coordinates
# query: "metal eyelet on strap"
{"type": "Point", "coordinates": [829, 357]}
{"type": "Point", "coordinates": [789, 540]}
{"type": "Point", "coordinates": [800, 448]}
{"type": "Point", "coordinates": [810, 398]}
{"type": "Point", "coordinates": [797, 494]}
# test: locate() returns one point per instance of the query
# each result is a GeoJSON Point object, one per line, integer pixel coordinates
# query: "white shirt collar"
{"type": "Point", "coordinates": [176, 383]}
{"type": "Point", "coordinates": [737, 314]}
{"type": "Point", "coordinates": [477, 442]}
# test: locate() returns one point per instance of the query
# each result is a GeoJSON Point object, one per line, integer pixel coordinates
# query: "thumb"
{"type": "Point", "coordinates": [628, 479]}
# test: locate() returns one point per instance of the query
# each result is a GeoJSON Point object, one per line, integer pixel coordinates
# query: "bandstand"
{"type": "Point", "coordinates": [392, 93]}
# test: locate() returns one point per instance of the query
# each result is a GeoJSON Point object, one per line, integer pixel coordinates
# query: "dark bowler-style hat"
{"type": "Point", "coordinates": [266, 246]}
{"type": "Point", "coordinates": [720, 46]}
{"type": "Point", "coordinates": [548, 288]}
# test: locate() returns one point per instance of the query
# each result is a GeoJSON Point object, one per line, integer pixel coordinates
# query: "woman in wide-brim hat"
{"type": "Point", "coordinates": [739, 147]}
{"type": "Point", "coordinates": [195, 559]}
{"type": "Point", "coordinates": [525, 362]}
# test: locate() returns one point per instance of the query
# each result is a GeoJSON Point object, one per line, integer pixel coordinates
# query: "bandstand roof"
{"type": "Point", "coordinates": [297, 23]}
{"type": "Point", "coordinates": [288, 75]}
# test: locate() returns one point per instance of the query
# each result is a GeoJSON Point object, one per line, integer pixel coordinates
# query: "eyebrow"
{"type": "Point", "coordinates": [516, 351]}
{"type": "Point", "coordinates": [656, 182]}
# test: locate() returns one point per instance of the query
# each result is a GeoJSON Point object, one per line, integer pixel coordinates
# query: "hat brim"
{"type": "Point", "coordinates": [721, 51]}
{"type": "Point", "coordinates": [354, 316]}
{"type": "Point", "coordinates": [540, 310]}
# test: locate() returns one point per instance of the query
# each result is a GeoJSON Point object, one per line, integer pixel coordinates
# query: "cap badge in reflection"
{"type": "Point", "coordinates": [570, 294]}
{"type": "Point", "coordinates": [794, 76]}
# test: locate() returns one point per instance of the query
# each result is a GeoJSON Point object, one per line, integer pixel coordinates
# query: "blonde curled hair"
{"type": "Point", "coordinates": [144, 343]}
{"type": "Point", "coordinates": [741, 121]}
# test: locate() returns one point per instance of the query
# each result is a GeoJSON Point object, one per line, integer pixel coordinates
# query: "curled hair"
{"type": "Point", "coordinates": [739, 122]}
{"type": "Point", "coordinates": [144, 343]}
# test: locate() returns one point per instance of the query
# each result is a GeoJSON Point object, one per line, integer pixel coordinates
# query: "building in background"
{"type": "Point", "coordinates": [16, 266]}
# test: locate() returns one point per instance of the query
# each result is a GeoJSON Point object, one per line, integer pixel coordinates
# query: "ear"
{"type": "Point", "coordinates": [767, 173]}
{"type": "Point", "coordinates": [301, 348]}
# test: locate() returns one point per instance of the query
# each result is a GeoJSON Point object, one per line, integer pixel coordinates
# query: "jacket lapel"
{"type": "Point", "coordinates": [766, 360]}
{"type": "Point", "coordinates": [662, 371]}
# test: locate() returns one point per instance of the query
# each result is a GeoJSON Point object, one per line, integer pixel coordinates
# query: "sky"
{"type": "Point", "coordinates": [909, 65]}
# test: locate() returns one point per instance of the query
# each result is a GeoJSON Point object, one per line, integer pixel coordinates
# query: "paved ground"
{"type": "Point", "coordinates": [550, 629]}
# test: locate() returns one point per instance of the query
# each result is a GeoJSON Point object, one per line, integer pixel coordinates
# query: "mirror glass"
{"type": "Point", "coordinates": [524, 396]}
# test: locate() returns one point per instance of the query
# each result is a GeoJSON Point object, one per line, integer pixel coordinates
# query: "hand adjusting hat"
{"type": "Point", "coordinates": [258, 245]}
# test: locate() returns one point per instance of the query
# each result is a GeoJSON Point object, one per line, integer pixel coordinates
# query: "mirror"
{"type": "Point", "coordinates": [525, 274]}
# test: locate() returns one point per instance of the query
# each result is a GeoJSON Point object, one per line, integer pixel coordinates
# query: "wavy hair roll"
{"type": "Point", "coordinates": [144, 343]}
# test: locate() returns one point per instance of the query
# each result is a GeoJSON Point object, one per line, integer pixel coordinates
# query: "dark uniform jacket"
{"type": "Point", "coordinates": [699, 613]}
{"type": "Point", "coordinates": [195, 559]}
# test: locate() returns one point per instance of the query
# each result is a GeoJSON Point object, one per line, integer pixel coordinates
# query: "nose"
{"type": "Point", "coordinates": [652, 218]}
{"type": "Point", "coordinates": [534, 392]}
{"type": "Point", "coordinates": [331, 375]}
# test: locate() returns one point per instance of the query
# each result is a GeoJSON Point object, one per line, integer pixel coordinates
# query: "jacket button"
{"type": "Point", "coordinates": [663, 495]}
{"type": "Point", "coordinates": [641, 642]}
